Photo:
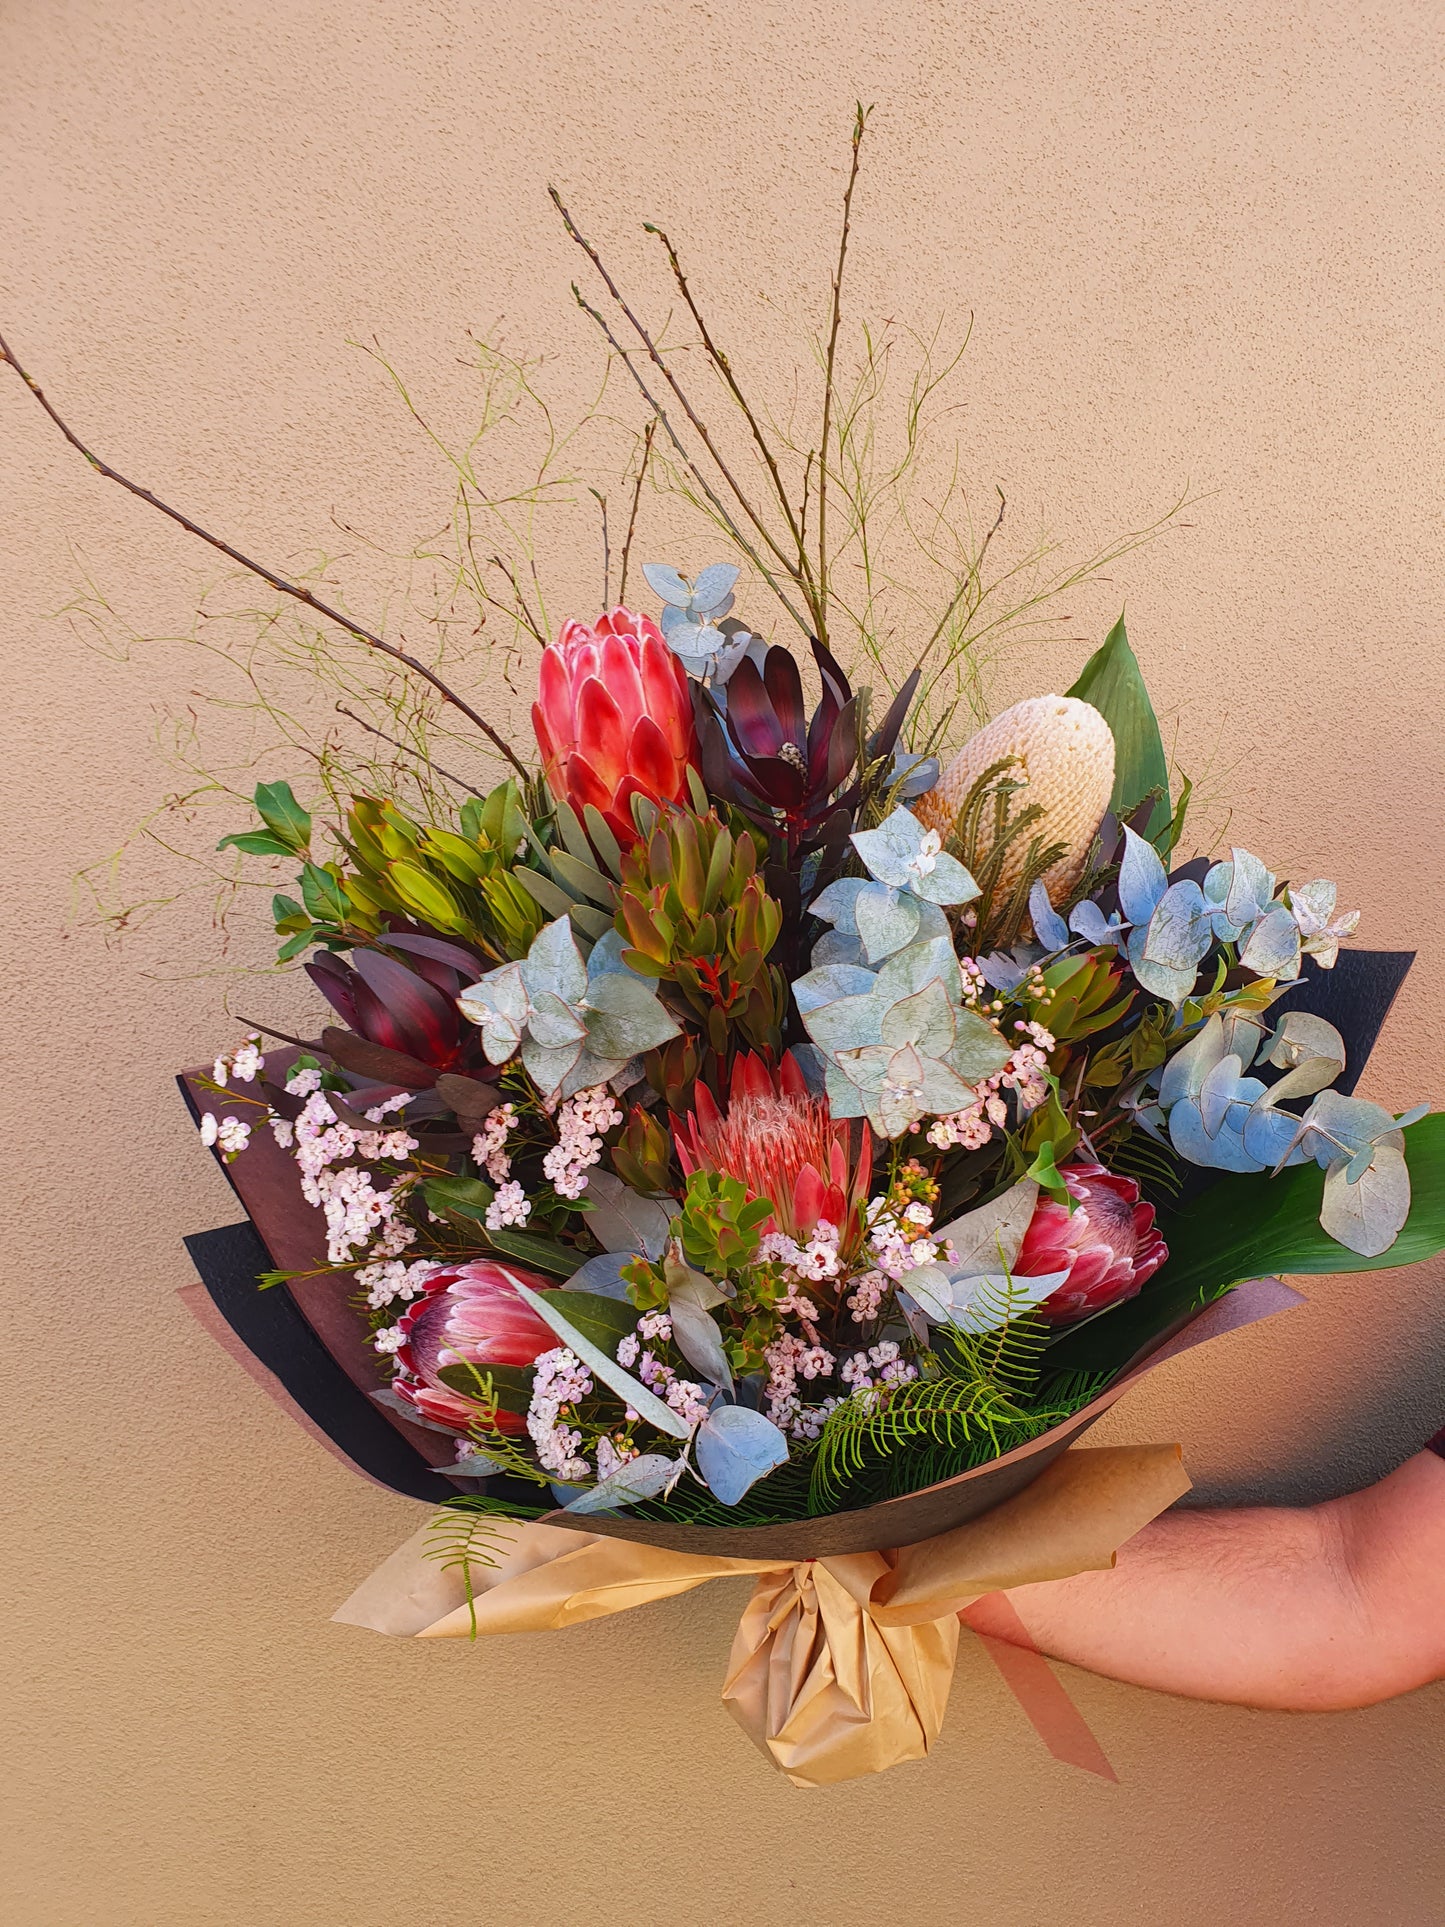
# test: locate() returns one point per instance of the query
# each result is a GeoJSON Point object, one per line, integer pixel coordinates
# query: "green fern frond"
{"type": "Point", "coordinates": [468, 1532]}
{"type": "Point", "coordinates": [1152, 1165]}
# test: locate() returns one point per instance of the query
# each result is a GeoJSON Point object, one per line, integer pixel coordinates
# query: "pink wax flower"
{"type": "Point", "coordinates": [1107, 1244]}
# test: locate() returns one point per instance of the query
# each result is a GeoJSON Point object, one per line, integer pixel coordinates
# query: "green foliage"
{"type": "Point", "coordinates": [978, 1398]}
{"type": "Point", "coordinates": [718, 1226]}
{"type": "Point", "coordinates": [1113, 683]}
{"type": "Point", "coordinates": [1081, 997]}
{"type": "Point", "coordinates": [695, 914]}
{"type": "Point", "coordinates": [456, 884]}
{"type": "Point", "coordinates": [462, 885]}
{"type": "Point", "coordinates": [288, 826]}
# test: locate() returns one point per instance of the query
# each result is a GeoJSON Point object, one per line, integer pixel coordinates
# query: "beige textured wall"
{"type": "Point", "coordinates": [1201, 242]}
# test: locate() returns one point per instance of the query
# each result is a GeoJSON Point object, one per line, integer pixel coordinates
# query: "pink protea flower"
{"type": "Point", "coordinates": [1108, 1244]}
{"type": "Point", "coordinates": [783, 1145]}
{"type": "Point", "coordinates": [467, 1312]}
{"type": "Point", "coordinates": [613, 718]}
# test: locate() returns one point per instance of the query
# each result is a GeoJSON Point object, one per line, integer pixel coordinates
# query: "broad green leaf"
{"type": "Point", "coordinates": [284, 816]}
{"type": "Point", "coordinates": [1253, 1226]}
{"type": "Point", "coordinates": [293, 946]}
{"type": "Point", "coordinates": [604, 1321]}
{"type": "Point", "coordinates": [458, 1197]}
{"type": "Point", "coordinates": [323, 894]}
{"type": "Point", "coordinates": [425, 895]}
{"type": "Point", "coordinates": [256, 843]}
{"type": "Point", "coordinates": [511, 1384]}
{"type": "Point", "coordinates": [530, 1249]}
{"type": "Point", "coordinates": [1112, 682]}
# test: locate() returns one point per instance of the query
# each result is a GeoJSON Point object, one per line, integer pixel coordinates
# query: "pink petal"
{"type": "Point", "coordinates": [619, 672]}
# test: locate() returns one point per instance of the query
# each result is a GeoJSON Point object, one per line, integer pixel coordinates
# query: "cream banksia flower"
{"type": "Point", "coordinates": [1064, 751]}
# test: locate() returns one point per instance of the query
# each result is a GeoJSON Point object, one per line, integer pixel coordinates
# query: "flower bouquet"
{"type": "Point", "coordinates": [751, 1135]}
{"type": "Point", "coordinates": [766, 1129]}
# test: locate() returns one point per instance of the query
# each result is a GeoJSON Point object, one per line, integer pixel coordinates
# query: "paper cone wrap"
{"type": "Point", "coordinates": [841, 1666]}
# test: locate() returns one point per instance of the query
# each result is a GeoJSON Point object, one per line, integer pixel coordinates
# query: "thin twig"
{"type": "Point", "coordinates": [601, 501]}
{"type": "Point", "coordinates": [860, 121]}
{"type": "Point", "coordinates": [718, 506]}
{"type": "Point", "coordinates": [528, 620]}
{"type": "Point", "coordinates": [654, 355]}
{"type": "Point", "coordinates": [277, 582]}
{"type": "Point", "coordinates": [975, 569]}
{"type": "Point", "coordinates": [724, 367]}
{"type": "Point", "coordinates": [647, 435]}
{"type": "Point", "coordinates": [396, 743]}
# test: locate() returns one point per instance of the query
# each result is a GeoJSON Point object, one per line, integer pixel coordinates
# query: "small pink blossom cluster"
{"type": "Point", "coordinates": [359, 1216]}
{"type": "Point", "coordinates": [389, 1279]}
{"type": "Point", "coordinates": [899, 1240]}
{"type": "Point", "coordinates": [511, 1206]}
{"type": "Point", "coordinates": [1026, 1073]}
{"type": "Point", "coordinates": [321, 1140]}
{"type": "Point", "coordinates": [243, 1063]}
{"type": "Point", "coordinates": [489, 1146]}
{"type": "Point", "coordinates": [790, 1358]}
{"type": "Point", "coordinates": [562, 1379]}
{"type": "Point", "coordinates": [682, 1394]}
{"type": "Point", "coordinates": [882, 1364]}
{"type": "Point", "coordinates": [355, 1210]}
{"type": "Point", "coordinates": [230, 1135]}
{"type": "Point", "coordinates": [865, 1301]}
{"type": "Point", "coordinates": [582, 1122]}
{"type": "Point", "coordinates": [816, 1260]}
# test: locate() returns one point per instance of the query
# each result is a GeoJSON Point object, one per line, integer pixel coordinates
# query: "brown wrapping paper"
{"type": "Point", "coordinates": [841, 1666]}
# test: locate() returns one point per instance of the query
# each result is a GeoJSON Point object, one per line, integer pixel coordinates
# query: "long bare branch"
{"type": "Point", "coordinates": [860, 122]}
{"type": "Point", "coordinates": [277, 582]}
{"type": "Point", "coordinates": [715, 501]}
{"type": "Point", "coordinates": [655, 356]}
{"type": "Point", "coordinates": [720, 361]}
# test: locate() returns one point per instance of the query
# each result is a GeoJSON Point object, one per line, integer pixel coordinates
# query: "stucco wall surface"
{"type": "Point", "coordinates": [1202, 245]}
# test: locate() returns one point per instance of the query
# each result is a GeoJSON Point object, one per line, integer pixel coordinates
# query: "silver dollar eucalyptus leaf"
{"type": "Point", "coordinates": [735, 1447]}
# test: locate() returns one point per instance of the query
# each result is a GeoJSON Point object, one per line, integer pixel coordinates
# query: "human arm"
{"type": "Point", "coordinates": [1306, 1609]}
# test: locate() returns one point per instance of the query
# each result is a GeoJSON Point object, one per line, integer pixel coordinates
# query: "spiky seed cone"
{"type": "Point", "coordinates": [1065, 753]}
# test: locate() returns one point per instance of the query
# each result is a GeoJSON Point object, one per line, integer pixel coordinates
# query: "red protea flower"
{"type": "Point", "coordinates": [467, 1312]}
{"type": "Point", "coordinates": [1108, 1244]}
{"type": "Point", "coordinates": [614, 718]}
{"type": "Point", "coordinates": [783, 1145]}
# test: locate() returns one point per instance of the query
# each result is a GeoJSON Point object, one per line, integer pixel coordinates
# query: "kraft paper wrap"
{"type": "Point", "coordinates": [841, 1666]}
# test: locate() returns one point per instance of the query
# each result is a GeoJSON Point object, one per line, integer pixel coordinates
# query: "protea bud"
{"type": "Point", "coordinates": [614, 719]}
{"type": "Point", "coordinates": [1063, 750]}
{"type": "Point", "coordinates": [642, 1155]}
{"type": "Point", "coordinates": [467, 1313]}
{"type": "Point", "coordinates": [1108, 1244]}
{"type": "Point", "coordinates": [673, 1071]}
{"type": "Point", "coordinates": [782, 1143]}
{"type": "Point", "coordinates": [695, 914]}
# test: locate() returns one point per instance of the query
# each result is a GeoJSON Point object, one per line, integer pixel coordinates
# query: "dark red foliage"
{"type": "Point", "coordinates": [407, 1007]}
